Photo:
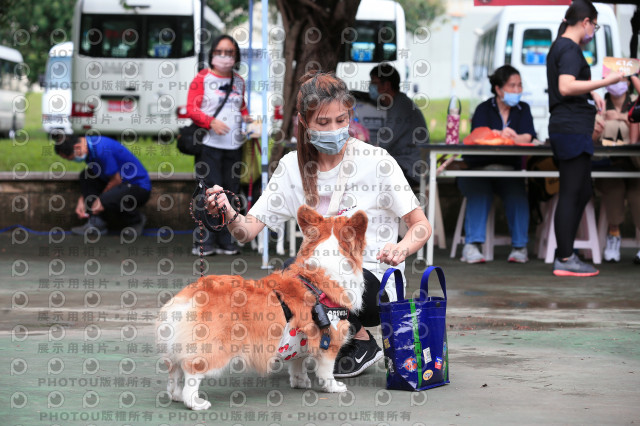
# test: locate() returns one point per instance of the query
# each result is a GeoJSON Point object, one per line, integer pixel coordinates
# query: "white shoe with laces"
{"type": "Point", "coordinates": [612, 249]}
{"type": "Point", "coordinates": [518, 255]}
{"type": "Point", "coordinates": [471, 253]}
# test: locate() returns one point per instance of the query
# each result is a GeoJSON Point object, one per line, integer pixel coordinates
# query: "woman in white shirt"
{"type": "Point", "coordinates": [374, 183]}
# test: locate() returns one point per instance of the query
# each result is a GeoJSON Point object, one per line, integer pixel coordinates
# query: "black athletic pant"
{"type": "Point", "coordinates": [216, 167]}
{"type": "Point", "coordinates": [576, 190]}
{"type": "Point", "coordinates": [121, 203]}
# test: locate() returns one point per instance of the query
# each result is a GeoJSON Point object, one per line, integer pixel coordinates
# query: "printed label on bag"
{"type": "Point", "coordinates": [410, 364]}
{"type": "Point", "coordinates": [444, 348]}
{"type": "Point", "coordinates": [389, 364]}
{"type": "Point", "coordinates": [427, 375]}
{"type": "Point", "coordinates": [427, 355]}
{"type": "Point", "coordinates": [438, 363]}
{"type": "Point", "coordinates": [386, 343]}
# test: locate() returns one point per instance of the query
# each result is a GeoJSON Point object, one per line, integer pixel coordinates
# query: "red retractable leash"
{"type": "Point", "coordinates": [204, 219]}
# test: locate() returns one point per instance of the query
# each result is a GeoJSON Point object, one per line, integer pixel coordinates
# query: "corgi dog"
{"type": "Point", "coordinates": [224, 318]}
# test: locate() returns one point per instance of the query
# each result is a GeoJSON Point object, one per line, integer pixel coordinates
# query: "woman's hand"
{"type": "Point", "coordinates": [614, 77]}
{"type": "Point", "coordinates": [600, 104]}
{"type": "Point", "coordinates": [392, 254]}
{"type": "Point", "coordinates": [222, 200]}
{"type": "Point", "coordinates": [509, 133]}
{"type": "Point", "coordinates": [219, 127]}
{"type": "Point", "coordinates": [598, 128]}
{"type": "Point", "coordinates": [80, 209]}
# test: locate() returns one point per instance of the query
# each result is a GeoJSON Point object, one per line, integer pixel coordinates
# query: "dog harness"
{"type": "Point", "coordinates": [324, 313]}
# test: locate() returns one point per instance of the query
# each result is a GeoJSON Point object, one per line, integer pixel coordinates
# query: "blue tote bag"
{"type": "Point", "coordinates": [414, 335]}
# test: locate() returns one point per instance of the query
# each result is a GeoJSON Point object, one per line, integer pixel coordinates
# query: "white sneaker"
{"type": "Point", "coordinates": [518, 255]}
{"type": "Point", "coordinates": [612, 249]}
{"type": "Point", "coordinates": [471, 254]}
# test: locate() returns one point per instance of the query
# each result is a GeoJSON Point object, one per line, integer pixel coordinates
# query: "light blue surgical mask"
{"type": "Point", "coordinates": [80, 159]}
{"type": "Point", "coordinates": [329, 142]}
{"type": "Point", "coordinates": [511, 99]}
{"type": "Point", "coordinates": [373, 92]}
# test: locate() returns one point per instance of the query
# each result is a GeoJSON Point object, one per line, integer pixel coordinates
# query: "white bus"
{"type": "Point", "coordinates": [133, 62]}
{"type": "Point", "coordinates": [13, 86]}
{"type": "Point", "coordinates": [521, 37]}
{"type": "Point", "coordinates": [56, 98]}
{"type": "Point", "coordinates": [378, 35]}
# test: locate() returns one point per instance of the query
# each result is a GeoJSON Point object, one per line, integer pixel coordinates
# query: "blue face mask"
{"type": "Point", "coordinates": [329, 142]}
{"type": "Point", "coordinates": [80, 159]}
{"type": "Point", "coordinates": [373, 92]}
{"type": "Point", "coordinates": [511, 99]}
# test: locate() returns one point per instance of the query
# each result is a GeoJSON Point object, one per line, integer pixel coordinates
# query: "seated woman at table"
{"type": "Point", "coordinates": [503, 112]}
{"type": "Point", "coordinates": [614, 191]}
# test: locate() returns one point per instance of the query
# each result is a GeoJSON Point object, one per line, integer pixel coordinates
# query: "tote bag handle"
{"type": "Point", "coordinates": [399, 283]}
{"type": "Point", "coordinates": [424, 282]}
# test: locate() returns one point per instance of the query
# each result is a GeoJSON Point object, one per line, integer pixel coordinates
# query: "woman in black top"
{"type": "Point", "coordinates": [573, 105]}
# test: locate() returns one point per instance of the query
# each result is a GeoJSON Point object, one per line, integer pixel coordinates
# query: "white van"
{"type": "Point", "coordinates": [56, 99]}
{"type": "Point", "coordinates": [133, 62]}
{"type": "Point", "coordinates": [521, 36]}
{"type": "Point", "coordinates": [13, 86]}
{"type": "Point", "coordinates": [378, 35]}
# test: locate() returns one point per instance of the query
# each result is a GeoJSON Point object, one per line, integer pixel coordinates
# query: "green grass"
{"type": "Point", "coordinates": [33, 151]}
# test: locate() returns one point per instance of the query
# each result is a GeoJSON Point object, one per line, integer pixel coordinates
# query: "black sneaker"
{"type": "Point", "coordinates": [95, 225]}
{"type": "Point", "coordinates": [356, 356]}
{"type": "Point", "coordinates": [132, 232]}
{"type": "Point", "coordinates": [573, 267]}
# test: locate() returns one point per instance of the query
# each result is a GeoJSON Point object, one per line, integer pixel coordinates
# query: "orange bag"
{"type": "Point", "coordinates": [486, 136]}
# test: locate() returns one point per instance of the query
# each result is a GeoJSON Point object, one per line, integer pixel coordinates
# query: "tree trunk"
{"type": "Point", "coordinates": [313, 37]}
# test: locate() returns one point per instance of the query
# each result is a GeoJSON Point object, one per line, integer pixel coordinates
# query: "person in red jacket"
{"type": "Point", "coordinates": [222, 146]}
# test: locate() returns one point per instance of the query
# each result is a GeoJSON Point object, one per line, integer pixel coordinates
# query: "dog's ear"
{"type": "Point", "coordinates": [359, 222]}
{"type": "Point", "coordinates": [308, 217]}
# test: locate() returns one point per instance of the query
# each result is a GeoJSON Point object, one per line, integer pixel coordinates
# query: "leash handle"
{"type": "Point", "coordinates": [200, 214]}
{"type": "Point", "coordinates": [204, 219]}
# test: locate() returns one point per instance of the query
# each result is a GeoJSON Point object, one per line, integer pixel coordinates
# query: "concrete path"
{"type": "Point", "coordinates": [77, 344]}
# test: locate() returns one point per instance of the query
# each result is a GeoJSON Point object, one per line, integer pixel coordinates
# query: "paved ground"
{"type": "Point", "coordinates": [76, 344]}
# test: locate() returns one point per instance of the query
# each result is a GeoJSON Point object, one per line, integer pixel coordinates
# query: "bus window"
{"type": "Point", "coordinates": [375, 42]}
{"type": "Point", "coordinates": [58, 72]}
{"type": "Point", "coordinates": [535, 46]}
{"type": "Point", "coordinates": [508, 49]}
{"type": "Point", "coordinates": [491, 40]}
{"type": "Point", "coordinates": [478, 63]}
{"type": "Point", "coordinates": [118, 36]}
{"type": "Point", "coordinates": [608, 42]}
{"type": "Point", "coordinates": [10, 75]}
{"type": "Point", "coordinates": [110, 36]}
{"type": "Point", "coordinates": [170, 37]}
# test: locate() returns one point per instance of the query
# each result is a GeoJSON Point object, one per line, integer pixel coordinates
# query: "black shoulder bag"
{"type": "Point", "coordinates": [191, 137]}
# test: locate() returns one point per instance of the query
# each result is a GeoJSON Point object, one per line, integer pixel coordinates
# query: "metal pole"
{"type": "Point", "coordinates": [264, 59]}
{"type": "Point", "coordinates": [455, 48]}
{"type": "Point", "coordinates": [201, 56]}
{"type": "Point", "coordinates": [250, 54]}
